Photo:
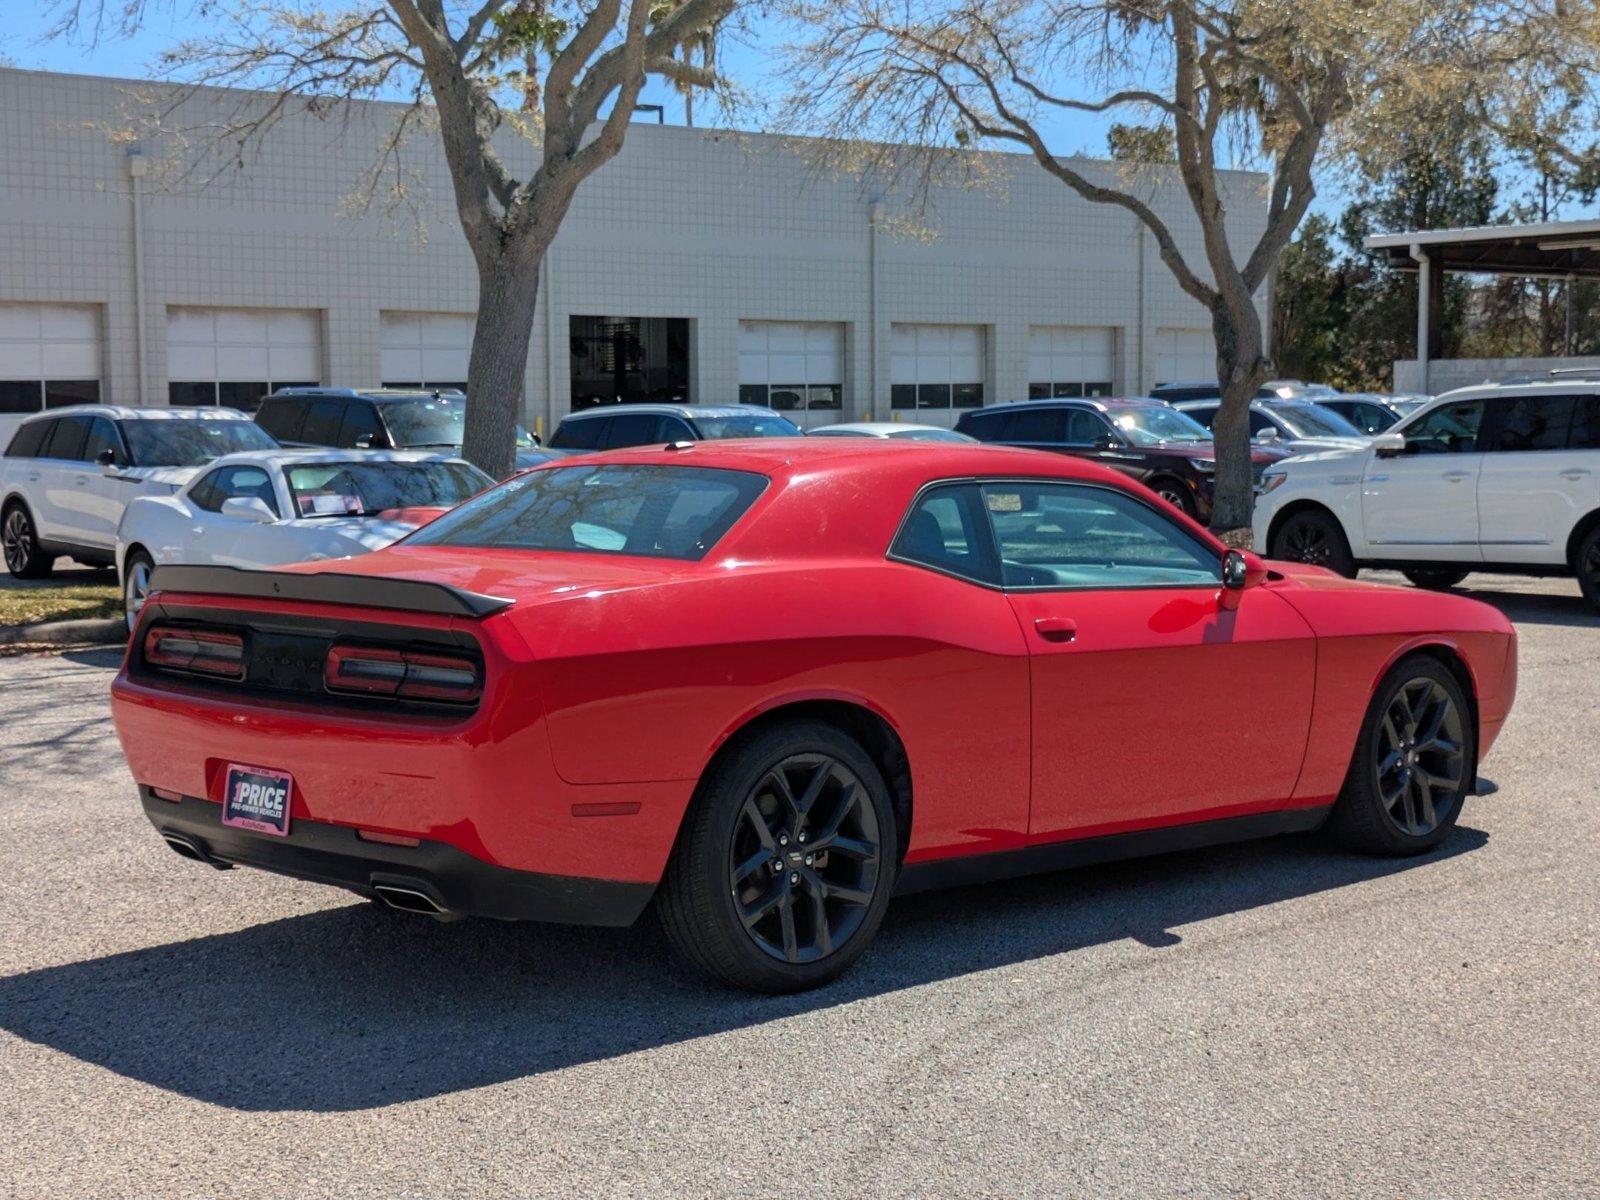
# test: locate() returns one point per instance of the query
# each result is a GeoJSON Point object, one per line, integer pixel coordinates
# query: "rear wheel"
{"type": "Point", "coordinates": [1433, 578]}
{"type": "Point", "coordinates": [786, 862]}
{"type": "Point", "coordinates": [1175, 494]}
{"type": "Point", "coordinates": [1315, 537]}
{"type": "Point", "coordinates": [20, 540]}
{"type": "Point", "coordinates": [136, 569]}
{"type": "Point", "coordinates": [1586, 565]}
{"type": "Point", "coordinates": [1413, 765]}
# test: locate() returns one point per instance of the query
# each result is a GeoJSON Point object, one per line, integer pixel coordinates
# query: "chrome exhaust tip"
{"type": "Point", "coordinates": [408, 899]}
{"type": "Point", "coordinates": [190, 850]}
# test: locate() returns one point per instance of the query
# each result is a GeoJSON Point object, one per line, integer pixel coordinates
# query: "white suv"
{"type": "Point", "coordinates": [68, 473]}
{"type": "Point", "coordinates": [1502, 477]}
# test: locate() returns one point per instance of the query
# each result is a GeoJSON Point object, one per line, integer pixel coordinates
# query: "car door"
{"type": "Point", "coordinates": [1152, 703]}
{"type": "Point", "coordinates": [58, 466]}
{"type": "Point", "coordinates": [100, 495]}
{"type": "Point", "coordinates": [1421, 505]}
{"type": "Point", "coordinates": [1535, 485]}
{"type": "Point", "coordinates": [215, 538]}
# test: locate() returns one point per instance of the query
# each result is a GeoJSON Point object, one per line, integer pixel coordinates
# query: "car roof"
{"type": "Point", "coordinates": [154, 412]}
{"type": "Point", "coordinates": [878, 428]}
{"type": "Point", "coordinates": [1099, 403]}
{"type": "Point", "coordinates": [296, 458]}
{"type": "Point", "coordinates": [378, 394]}
{"type": "Point", "coordinates": [675, 410]}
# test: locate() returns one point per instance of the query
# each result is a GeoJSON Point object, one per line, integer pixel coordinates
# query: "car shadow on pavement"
{"type": "Point", "coordinates": [357, 1007]}
{"type": "Point", "coordinates": [1538, 608]}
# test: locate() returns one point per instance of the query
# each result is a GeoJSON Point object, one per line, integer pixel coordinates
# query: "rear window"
{"type": "Point", "coordinates": [362, 488]}
{"type": "Point", "coordinates": [175, 442]}
{"type": "Point", "coordinates": [746, 425]}
{"type": "Point", "coordinates": [657, 512]}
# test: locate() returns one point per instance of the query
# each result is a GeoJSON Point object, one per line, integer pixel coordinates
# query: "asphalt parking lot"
{"type": "Point", "coordinates": [1269, 1019]}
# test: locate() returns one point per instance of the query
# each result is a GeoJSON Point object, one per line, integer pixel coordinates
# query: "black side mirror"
{"type": "Point", "coordinates": [1106, 442]}
{"type": "Point", "coordinates": [106, 458]}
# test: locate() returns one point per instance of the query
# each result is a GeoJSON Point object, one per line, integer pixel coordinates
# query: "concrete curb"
{"type": "Point", "coordinates": [65, 633]}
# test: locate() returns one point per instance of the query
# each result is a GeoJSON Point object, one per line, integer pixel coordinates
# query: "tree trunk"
{"type": "Point", "coordinates": [1241, 370]}
{"type": "Point", "coordinates": [508, 290]}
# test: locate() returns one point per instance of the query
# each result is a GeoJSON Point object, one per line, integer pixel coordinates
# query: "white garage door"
{"type": "Point", "coordinates": [235, 356]}
{"type": "Point", "coordinates": [1184, 355]}
{"type": "Point", "coordinates": [49, 356]}
{"type": "Point", "coordinates": [936, 370]}
{"type": "Point", "coordinates": [1065, 360]}
{"type": "Point", "coordinates": [793, 366]}
{"type": "Point", "coordinates": [425, 349]}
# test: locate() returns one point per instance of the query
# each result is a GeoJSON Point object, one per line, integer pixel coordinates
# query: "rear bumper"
{"type": "Point", "coordinates": [457, 883]}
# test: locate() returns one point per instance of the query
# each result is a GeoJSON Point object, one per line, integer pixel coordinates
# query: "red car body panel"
{"type": "Point", "coordinates": [610, 681]}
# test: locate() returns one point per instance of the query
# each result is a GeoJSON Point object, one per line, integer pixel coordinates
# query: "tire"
{"type": "Point", "coordinates": [1314, 536]}
{"type": "Point", "coordinates": [1175, 494]}
{"type": "Point", "coordinates": [136, 568]}
{"type": "Point", "coordinates": [815, 911]}
{"type": "Point", "coordinates": [1433, 578]}
{"type": "Point", "coordinates": [1586, 566]}
{"type": "Point", "coordinates": [19, 538]}
{"type": "Point", "coordinates": [1405, 788]}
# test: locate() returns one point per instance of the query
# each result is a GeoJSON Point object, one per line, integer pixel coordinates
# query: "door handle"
{"type": "Point", "coordinates": [1456, 476]}
{"type": "Point", "coordinates": [81, 480]}
{"type": "Point", "coordinates": [1576, 473]}
{"type": "Point", "coordinates": [33, 477]}
{"type": "Point", "coordinates": [1056, 629]}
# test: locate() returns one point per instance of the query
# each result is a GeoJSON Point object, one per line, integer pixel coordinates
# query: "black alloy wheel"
{"type": "Point", "coordinates": [804, 858]}
{"type": "Point", "coordinates": [1434, 578]}
{"type": "Point", "coordinates": [24, 559]}
{"type": "Point", "coordinates": [1315, 538]}
{"type": "Point", "coordinates": [1586, 565]}
{"type": "Point", "coordinates": [1414, 762]}
{"type": "Point", "coordinates": [786, 860]}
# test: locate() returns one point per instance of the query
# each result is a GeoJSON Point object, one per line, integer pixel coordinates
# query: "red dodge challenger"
{"type": "Point", "coordinates": [769, 685]}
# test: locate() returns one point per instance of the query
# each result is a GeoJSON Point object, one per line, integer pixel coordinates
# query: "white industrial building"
{"type": "Point", "coordinates": [701, 263]}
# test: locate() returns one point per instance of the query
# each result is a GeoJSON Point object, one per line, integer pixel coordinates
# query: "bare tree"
{"type": "Point", "coordinates": [486, 71]}
{"type": "Point", "coordinates": [1229, 82]}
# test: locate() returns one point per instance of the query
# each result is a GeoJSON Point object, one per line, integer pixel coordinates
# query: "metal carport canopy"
{"type": "Point", "coordinates": [1558, 249]}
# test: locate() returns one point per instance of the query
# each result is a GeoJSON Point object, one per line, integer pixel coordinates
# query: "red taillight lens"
{"type": "Point", "coordinates": [409, 674]}
{"type": "Point", "coordinates": [201, 650]}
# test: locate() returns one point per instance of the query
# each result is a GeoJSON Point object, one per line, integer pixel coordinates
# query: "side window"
{"type": "Point", "coordinates": [946, 530]}
{"type": "Point", "coordinates": [673, 429]}
{"type": "Point", "coordinates": [282, 418]}
{"type": "Point", "coordinates": [1586, 424]}
{"type": "Point", "coordinates": [233, 482]}
{"type": "Point", "coordinates": [323, 419]}
{"type": "Point", "coordinates": [582, 434]}
{"type": "Point", "coordinates": [28, 440]}
{"type": "Point", "coordinates": [102, 437]}
{"type": "Point", "coordinates": [630, 429]}
{"type": "Point", "coordinates": [204, 494]}
{"type": "Point", "coordinates": [66, 439]}
{"type": "Point", "coordinates": [1207, 416]}
{"type": "Point", "coordinates": [1062, 535]}
{"type": "Point", "coordinates": [1528, 423]}
{"type": "Point", "coordinates": [1258, 422]}
{"type": "Point", "coordinates": [361, 421]}
{"type": "Point", "coordinates": [1448, 429]}
{"type": "Point", "coordinates": [1085, 427]}
{"type": "Point", "coordinates": [988, 426]}
{"type": "Point", "coordinates": [1038, 426]}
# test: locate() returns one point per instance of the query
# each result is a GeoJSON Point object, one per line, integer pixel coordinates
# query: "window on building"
{"type": "Point", "coordinates": [235, 356]}
{"type": "Point", "coordinates": [936, 366]}
{"type": "Point", "coordinates": [792, 366]}
{"type": "Point", "coordinates": [1183, 355]}
{"type": "Point", "coordinates": [49, 356]}
{"type": "Point", "coordinates": [424, 350]}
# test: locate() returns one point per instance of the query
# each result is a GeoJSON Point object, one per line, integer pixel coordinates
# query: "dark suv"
{"type": "Point", "coordinates": [1168, 452]}
{"type": "Point", "coordinates": [377, 419]}
{"type": "Point", "coordinates": [616, 426]}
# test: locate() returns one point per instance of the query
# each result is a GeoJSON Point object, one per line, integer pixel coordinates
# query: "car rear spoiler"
{"type": "Point", "coordinates": [365, 591]}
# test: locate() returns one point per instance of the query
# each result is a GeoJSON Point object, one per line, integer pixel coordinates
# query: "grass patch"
{"type": "Point", "coordinates": [59, 602]}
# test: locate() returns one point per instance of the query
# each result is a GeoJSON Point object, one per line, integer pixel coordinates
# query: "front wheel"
{"type": "Point", "coordinates": [136, 570]}
{"type": "Point", "coordinates": [786, 862]}
{"type": "Point", "coordinates": [1175, 494]}
{"type": "Point", "coordinates": [1315, 537]}
{"type": "Point", "coordinates": [1413, 765]}
{"type": "Point", "coordinates": [25, 559]}
{"type": "Point", "coordinates": [1435, 579]}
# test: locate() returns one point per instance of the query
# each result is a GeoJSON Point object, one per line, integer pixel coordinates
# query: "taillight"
{"type": "Point", "coordinates": [408, 674]}
{"type": "Point", "coordinates": [201, 650]}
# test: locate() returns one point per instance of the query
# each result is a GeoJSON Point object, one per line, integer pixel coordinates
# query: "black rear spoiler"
{"type": "Point", "coordinates": [366, 591]}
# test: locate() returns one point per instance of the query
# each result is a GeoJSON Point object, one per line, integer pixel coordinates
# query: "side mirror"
{"type": "Point", "coordinates": [1106, 442]}
{"type": "Point", "coordinates": [106, 458]}
{"type": "Point", "coordinates": [364, 441]}
{"type": "Point", "coordinates": [1268, 433]}
{"type": "Point", "coordinates": [1241, 570]}
{"type": "Point", "coordinates": [1388, 445]}
{"type": "Point", "coordinates": [249, 508]}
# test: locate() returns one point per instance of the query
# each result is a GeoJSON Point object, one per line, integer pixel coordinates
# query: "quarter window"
{"type": "Point", "coordinates": [29, 439]}
{"type": "Point", "coordinates": [1058, 536]}
{"type": "Point", "coordinates": [230, 483]}
{"type": "Point", "coordinates": [1586, 424]}
{"type": "Point", "coordinates": [946, 530]}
